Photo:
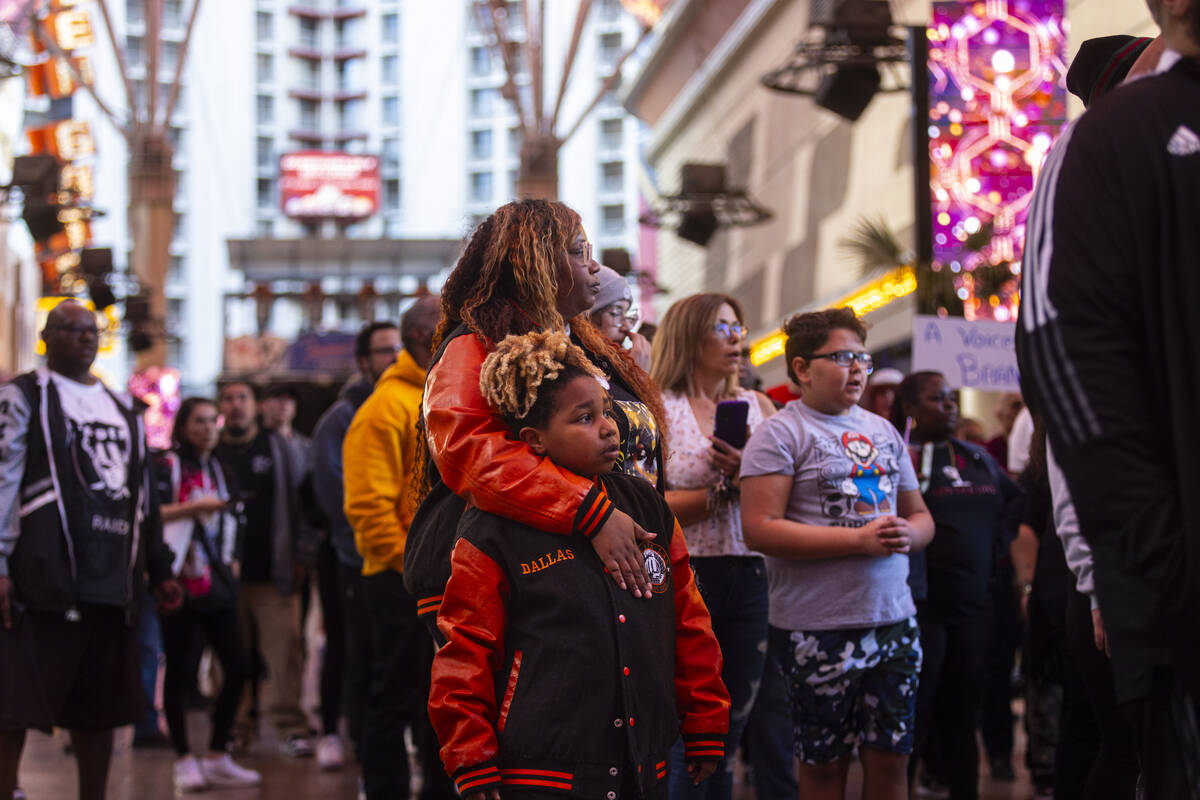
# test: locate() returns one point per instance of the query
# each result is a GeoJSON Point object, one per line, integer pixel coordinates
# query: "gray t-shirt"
{"type": "Point", "coordinates": [846, 471]}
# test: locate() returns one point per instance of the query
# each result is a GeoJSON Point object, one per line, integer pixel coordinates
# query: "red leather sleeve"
{"type": "Point", "coordinates": [700, 696]}
{"type": "Point", "coordinates": [479, 461]}
{"type": "Point", "coordinates": [463, 706]}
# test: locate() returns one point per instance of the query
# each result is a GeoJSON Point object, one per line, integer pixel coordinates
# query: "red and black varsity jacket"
{"type": "Point", "coordinates": [553, 677]}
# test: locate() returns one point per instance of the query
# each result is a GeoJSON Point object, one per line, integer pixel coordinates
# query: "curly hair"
{"type": "Point", "coordinates": [808, 332]}
{"type": "Point", "coordinates": [522, 376]}
{"type": "Point", "coordinates": [506, 282]}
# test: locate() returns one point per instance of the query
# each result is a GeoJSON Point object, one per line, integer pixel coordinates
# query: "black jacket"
{"type": "Point", "coordinates": [1109, 348]}
{"type": "Point", "coordinates": [554, 678]}
{"type": "Point", "coordinates": [42, 563]}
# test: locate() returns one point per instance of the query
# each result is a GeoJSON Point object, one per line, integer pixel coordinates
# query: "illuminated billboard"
{"type": "Point", "coordinates": [997, 102]}
{"type": "Point", "coordinates": [319, 184]}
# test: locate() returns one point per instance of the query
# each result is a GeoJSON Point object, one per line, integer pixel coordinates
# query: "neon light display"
{"type": "Point", "coordinates": [997, 102]}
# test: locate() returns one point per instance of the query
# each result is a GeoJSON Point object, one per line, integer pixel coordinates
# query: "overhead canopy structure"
{"type": "Point", "coordinates": [310, 259]}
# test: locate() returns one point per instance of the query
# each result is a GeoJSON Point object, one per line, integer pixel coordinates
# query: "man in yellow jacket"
{"type": "Point", "coordinates": [379, 456]}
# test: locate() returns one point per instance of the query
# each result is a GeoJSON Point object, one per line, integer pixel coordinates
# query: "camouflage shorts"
{"type": "Point", "coordinates": [851, 686]}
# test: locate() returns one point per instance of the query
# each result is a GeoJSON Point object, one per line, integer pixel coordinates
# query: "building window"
{"type": "Point", "coordinates": [310, 114]}
{"type": "Point", "coordinates": [391, 194]}
{"type": "Point", "coordinates": [264, 25]}
{"type": "Point", "coordinates": [391, 28]}
{"type": "Point", "coordinates": [612, 176]}
{"type": "Point", "coordinates": [170, 56]}
{"type": "Point", "coordinates": [265, 228]}
{"type": "Point", "coordinates": [266, 67]}
{"type": "Point", "coordinates": [266, 191]}
{"type": "Point", "coordinates": [610, 9]}
{"type": "Point", "coordinates": [391, 110]}
{"type": "Point", "coordinates": [389, 70]}
{"type": "Point", "coordinates": [348, 34]}
{"type": "Point", "coordinates": [481, 61]}
{"type": "Point", "coordinates": [514, 141]}
{"type": "Point", "coordinates": [350, 115]}
{"type": "Point", "coordinates": [134, 52]}
{"type": "Point", "coordinates": [311, 75]}
{"type": "Point", "coordinates": [512, 183]}
{"type": "Point", "coordinates": [135, 11]}
{"type": "Point", "coordinates": [481, 102]}
{"type": "Point", "coordinates": [391, 154]}
{"type": "Point", "coordinates": [175, 134]}
{"type": "Point", "coordinates": [173, 13]}
{"type": "Point", "coordinates": [309, 36]}
{"type": "Point", "coordinates": [265, 109]}
{"type": "Point", "coordinates": [179, 228]}
{"type": "Point", "coordinates": [610, 134]}
{"type": "Point", "coordinates": [610, 47]}
{"type": "Point", "coordinates": [481, 144]}
{"type": "Point", "coordinates": [613, 218]}
{"type": "Point", "coordinates": [265, 152]}
{"type": "Point", "coordinates": [175, 268]}
{"type": "Point", "coordinates": [481, 187]}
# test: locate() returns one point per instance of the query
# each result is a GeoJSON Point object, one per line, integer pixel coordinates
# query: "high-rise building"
{"type": "Point", "coordinates": [411, 82]}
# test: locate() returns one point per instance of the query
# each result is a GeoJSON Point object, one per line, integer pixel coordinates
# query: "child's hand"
{"type": "Point", "coordinates": [490, 794]}
{"type": "Point", "coordinates": [701, 770]}
{"type": "Point", "coordinates": [880, 536]}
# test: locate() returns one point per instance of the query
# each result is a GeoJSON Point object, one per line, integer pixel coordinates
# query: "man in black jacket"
{"type": "Point", "coordinates": [1107, 344]}
{"type": "Point", "coordinates": [79, 529]}
{"type": "Point", "coordinates": [339, 565]}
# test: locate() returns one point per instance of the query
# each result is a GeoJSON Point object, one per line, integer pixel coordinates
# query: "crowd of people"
{"type": "Point", "coordinates": [564, 555]}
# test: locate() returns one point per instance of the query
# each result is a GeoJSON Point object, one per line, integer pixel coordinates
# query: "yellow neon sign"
{"type": "Point", "coordinates": [109, 321]}
{"type": "Point", "coordinates": [897, 283]}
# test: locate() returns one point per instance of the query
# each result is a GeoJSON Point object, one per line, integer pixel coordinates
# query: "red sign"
{"type": "Point", "coordinates": [318, 183]}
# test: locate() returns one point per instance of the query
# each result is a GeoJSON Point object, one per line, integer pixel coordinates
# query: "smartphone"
{"type": "Point", "coordinates": [730, 426]}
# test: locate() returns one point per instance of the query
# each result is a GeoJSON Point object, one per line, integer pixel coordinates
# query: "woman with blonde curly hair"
{"type": "Point", "coordinates": [528, 267]}
{"type": "Point", "coordinates": [696, 360]}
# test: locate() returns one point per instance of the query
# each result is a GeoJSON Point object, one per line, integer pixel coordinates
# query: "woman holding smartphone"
{"type": "Point", "coordinates": [696, 355]}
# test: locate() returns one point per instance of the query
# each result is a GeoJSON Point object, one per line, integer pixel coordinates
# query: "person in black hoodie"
{"type": "Point", "coordinates": [1106, 343]}
{"type": "Point", "coordinates": [200, 525]}
{"type": "Point", "coordinates": [976, 508]}
{"type": "Point", "coordinates": [346, 667]}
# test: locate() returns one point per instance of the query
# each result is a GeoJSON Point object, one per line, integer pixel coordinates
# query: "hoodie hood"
{"type": "Point", "coordinates": [405, 370]}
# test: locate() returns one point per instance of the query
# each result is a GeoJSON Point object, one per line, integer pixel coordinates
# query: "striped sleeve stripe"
{"type": "Point", "coordinates": [1039, 245]}
{"type": "Point", "coordinates": [541, 783]}
{"type": "Point", "coordinates": [541, 773]}
{"type": "Point", "coordinates": [593, 511]}
{"type": "Point", "coordinates": [474, 778]}
{"type": "Point", "coordinates": [704, 746]}
{"type": "Point", "coordinates": [544, 778]}
{"type": "Point", "coordinates": [429, 605]}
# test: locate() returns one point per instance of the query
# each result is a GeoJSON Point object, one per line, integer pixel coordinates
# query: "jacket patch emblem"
{"type": "Point", "coordinates": [548, 560]}
{"type": "Point", "coordinates": [657, 568]}
{"type": "Point", "coordinates": [1184, 142]}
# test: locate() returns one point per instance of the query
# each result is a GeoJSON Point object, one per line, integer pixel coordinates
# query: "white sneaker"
{"type": "Point", "coordinates": [188, 777]}
{"type": "Point", "coordinates": [220, 771]}
{"type": "Point", "coordinates": [297, 746]}
{"type": "Point", "coordinates": [330, 755]}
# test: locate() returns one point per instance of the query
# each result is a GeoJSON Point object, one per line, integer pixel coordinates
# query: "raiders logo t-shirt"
{"type": "Point", "coordinates": [99, 443]}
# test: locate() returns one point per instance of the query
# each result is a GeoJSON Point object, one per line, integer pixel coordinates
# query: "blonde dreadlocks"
{"type": "Point", "coordinates": [520, 376]}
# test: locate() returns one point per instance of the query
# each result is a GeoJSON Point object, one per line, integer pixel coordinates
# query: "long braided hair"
{"type": "Point", "coordinates": [506, 282]}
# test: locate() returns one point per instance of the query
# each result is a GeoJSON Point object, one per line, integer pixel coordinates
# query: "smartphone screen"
{"type": "Point", "coordinates": [730, 425]}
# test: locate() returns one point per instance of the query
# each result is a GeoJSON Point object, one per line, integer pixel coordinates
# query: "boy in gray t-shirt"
{"type": "Point", "coordinates": [830, 496]}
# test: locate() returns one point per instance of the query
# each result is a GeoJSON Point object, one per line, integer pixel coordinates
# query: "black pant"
{"type": "Point", "coordinates": [220, 628]}
{"type": "Point", "coordinates": [1165, 725]}
{"type": "Point", "coordinates": [333, 660]}
{"type": "Point", "coordinates": [996, 719]}
{"type": "Point", "coordinates": [402, 654]}
{"type": "Point", "coordinates": [1097, 758]}
{"type": "Point", "coordinates": [357, 635]}
{"type": "Point", "coordinates": [948, 696]}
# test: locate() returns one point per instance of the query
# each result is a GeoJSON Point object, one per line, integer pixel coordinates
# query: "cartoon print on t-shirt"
{"type": "Point", "coordinates": [868, 482]}
{"type": "Point", "coordinates": [638, 432]}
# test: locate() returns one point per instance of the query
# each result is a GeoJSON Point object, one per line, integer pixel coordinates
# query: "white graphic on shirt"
{"type": "Point", "coordinates": [1184, 142]}
{"type": "Point", "coordinates": [106, 451]}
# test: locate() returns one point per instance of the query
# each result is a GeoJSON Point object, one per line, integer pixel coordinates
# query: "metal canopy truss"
{"type": "Point", "coordinates": [822, 54]}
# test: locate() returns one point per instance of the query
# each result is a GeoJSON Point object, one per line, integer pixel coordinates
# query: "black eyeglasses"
{"type": "Point", "coordinates": [844, 358]}
{"type": "Point", "coordinates": [729, 331]}
{"type": "Point", "coordinates": [77, 329]}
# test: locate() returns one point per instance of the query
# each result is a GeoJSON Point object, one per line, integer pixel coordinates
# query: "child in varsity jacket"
{"type": "Point", "coordinates": [552, 678]}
